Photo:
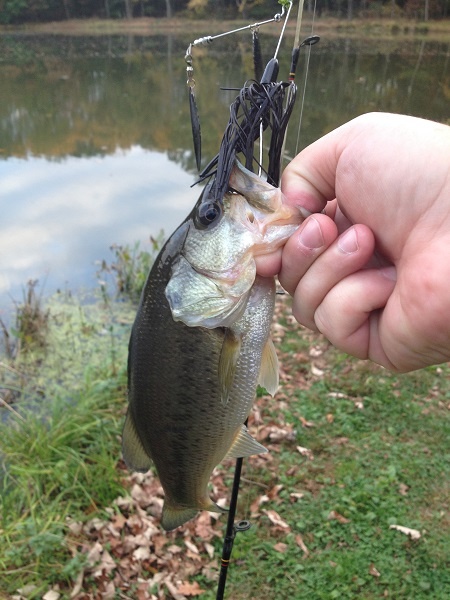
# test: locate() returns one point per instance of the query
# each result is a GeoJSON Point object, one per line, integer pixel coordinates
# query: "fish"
{"type": "Point", "coordinates": [200, 343]}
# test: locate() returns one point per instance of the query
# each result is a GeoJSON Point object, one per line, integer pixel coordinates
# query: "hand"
{"type": "Point", "coordinates": [373, 272]}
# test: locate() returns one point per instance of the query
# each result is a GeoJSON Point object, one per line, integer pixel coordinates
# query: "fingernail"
{"type": "Point", "coordinates": [311, 235]}
{"type": "Point", "coordinates": [304, 212]}
{"type": "Point", "coordinates": [389, 273]}
{"type": "Point", "coordinates": [348, 242]}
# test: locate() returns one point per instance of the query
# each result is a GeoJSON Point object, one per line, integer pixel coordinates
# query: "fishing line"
{"type": "Point", "coordinates": [308, 56]}
{"type": "Point", "coordinates": [282, 29]}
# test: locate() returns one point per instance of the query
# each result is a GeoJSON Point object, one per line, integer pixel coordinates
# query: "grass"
{"type": "Point", "coordinates": [381, 452]}
{"type": "Point", "coordinates": [60, 449]}
{"type": "Point", "coordinates": [378, 450]}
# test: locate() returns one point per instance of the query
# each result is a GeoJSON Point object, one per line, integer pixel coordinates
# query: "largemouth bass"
{"type": "Point", "coordinates": [200, 343]}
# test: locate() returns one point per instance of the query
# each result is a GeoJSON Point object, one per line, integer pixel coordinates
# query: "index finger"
{"type": "Point", "coordinates": [309, 180]}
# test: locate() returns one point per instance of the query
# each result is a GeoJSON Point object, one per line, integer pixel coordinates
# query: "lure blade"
{"type": "Point", "coordinates": [257, 56]}
{"type": "Point", "coordinates": [196, 133]}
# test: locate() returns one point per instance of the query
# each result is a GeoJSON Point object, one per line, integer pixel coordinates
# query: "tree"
{"type": "Point", "coordinates": [128, 9]}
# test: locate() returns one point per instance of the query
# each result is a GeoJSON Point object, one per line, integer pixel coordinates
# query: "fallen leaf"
{"type": "Point", "coordinates": [273, 492]}
{"type": "Point", "coordinates": [27, 589]}
{"type": "Point", "coordinates": [176, 595]}
{"type": "Point", "coordinates": [141, 553]}
{"type": "Point", "coordinates": [374, 571]}
{"type": "Point", "coordinates": [94, 555]}
{"type": "Point", "coordinates": [192, 547]}
{"type": "Point", "coordinates": [280, 547]}
{"type": "Point", "coordinates": [403, 489]}
{"type": "Point", "coordinates": [341, 441]}
{"type": "Point", "coordinates": [51, 595]}
{"type": "Point", "coordinates": [413, 533]}
{"type": "Point", "coordinates": [203, 528]}
{"type": "Point", "coordinates": [296, 496]}
{"type": "Point", "coordinates": [315, 352]}
{"type": "Point", "coordinates": [78, 585]}
{"type": "Point", "coordinates": [299, 541]}
{"type": "Point", "coordinates": [305, 452]}
{"type": "Point", "coordinates": [316, 371]}
{"type": "Point", "coordinates": [209, 549]}
{"type": "Point", "coordinates": [109, 592]}
{"type": "Point", "coordinates": [337, 395]}
{"type": "Point", "coordinates": [334, 515]}
{"type": "Point", "coordinates": [275, 519]}
{"type": "Point", "coordinates": [190, 589]}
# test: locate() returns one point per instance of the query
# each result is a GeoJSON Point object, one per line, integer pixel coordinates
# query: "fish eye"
{"type": "Point", "coordinates": [208, 215]}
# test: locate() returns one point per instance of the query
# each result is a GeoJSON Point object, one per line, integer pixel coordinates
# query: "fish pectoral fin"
{"type": "Point", "coordinates": [244, 445]}
{"type": "Point", "coordinates": [134, 455]}
{"type": "Point", "coordinates": [229, 355]}
{"type": "Point", "coordinates": [269, 373]}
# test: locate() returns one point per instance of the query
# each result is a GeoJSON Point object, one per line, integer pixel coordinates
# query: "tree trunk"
{"type": "Point", "coordinates": [107, 10]}
{"type": "Point", "coordinates": [128, 9]}
{"type": "Point", "coordinates": [349, 10]}
{"type": "Point", "coordinates": [168, 9]}
{"type": "Point", "coordinates": [427, 10]}
{"type": "Point", "coordinates": [67, 8]}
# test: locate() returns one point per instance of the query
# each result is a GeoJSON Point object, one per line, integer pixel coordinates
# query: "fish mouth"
{"type": "Point", "coordinates": [225, 277]}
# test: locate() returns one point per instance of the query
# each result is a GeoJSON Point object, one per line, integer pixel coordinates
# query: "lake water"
{"type": "Point", "coordinates": [95, 136]}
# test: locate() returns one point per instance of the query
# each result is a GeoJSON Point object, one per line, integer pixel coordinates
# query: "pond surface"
{"type": "Point", "coordinates": [95, 136]}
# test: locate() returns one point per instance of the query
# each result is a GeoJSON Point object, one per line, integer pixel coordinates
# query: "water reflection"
{"type": "Point", "coordinates": [95, 137]}
{"type": "Point", "coordinates": [58, 217]}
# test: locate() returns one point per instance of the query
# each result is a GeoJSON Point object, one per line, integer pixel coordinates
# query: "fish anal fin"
{"type": "Point", "coordinates": [244, 445]}
{"type": "Point", "coordinates": [269, 373]}
{"type": "Point", "coordinates": [134, 455]}
{"type": "Point", "coordinates": [229, 355]}
{"type": "Point", "coordinates": [174, 516]}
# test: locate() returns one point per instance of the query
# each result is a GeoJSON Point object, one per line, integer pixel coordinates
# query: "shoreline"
{"type": "Point", "coordinates": [329, 26]}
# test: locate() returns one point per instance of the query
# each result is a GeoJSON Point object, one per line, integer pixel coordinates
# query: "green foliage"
{"type": "Point", "coordinates": [130, 268]}
{"type": "Point", "coordinates": [61, 447]}
{"type": "Point", "coordinates": [11, 10]}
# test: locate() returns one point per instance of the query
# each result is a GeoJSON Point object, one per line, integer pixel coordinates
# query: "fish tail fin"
{"type": "Point", "coordinates": [174, 515]}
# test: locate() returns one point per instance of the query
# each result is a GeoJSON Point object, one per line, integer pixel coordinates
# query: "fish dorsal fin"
{"type": "Point", "coordinates": [244, 445]}
{"type": "Point", "coordinates": [268, 375]}
{"type": "Point", "coordinates": [134, 455]}
{"type": "Point", "coordinates": [229, 355]}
